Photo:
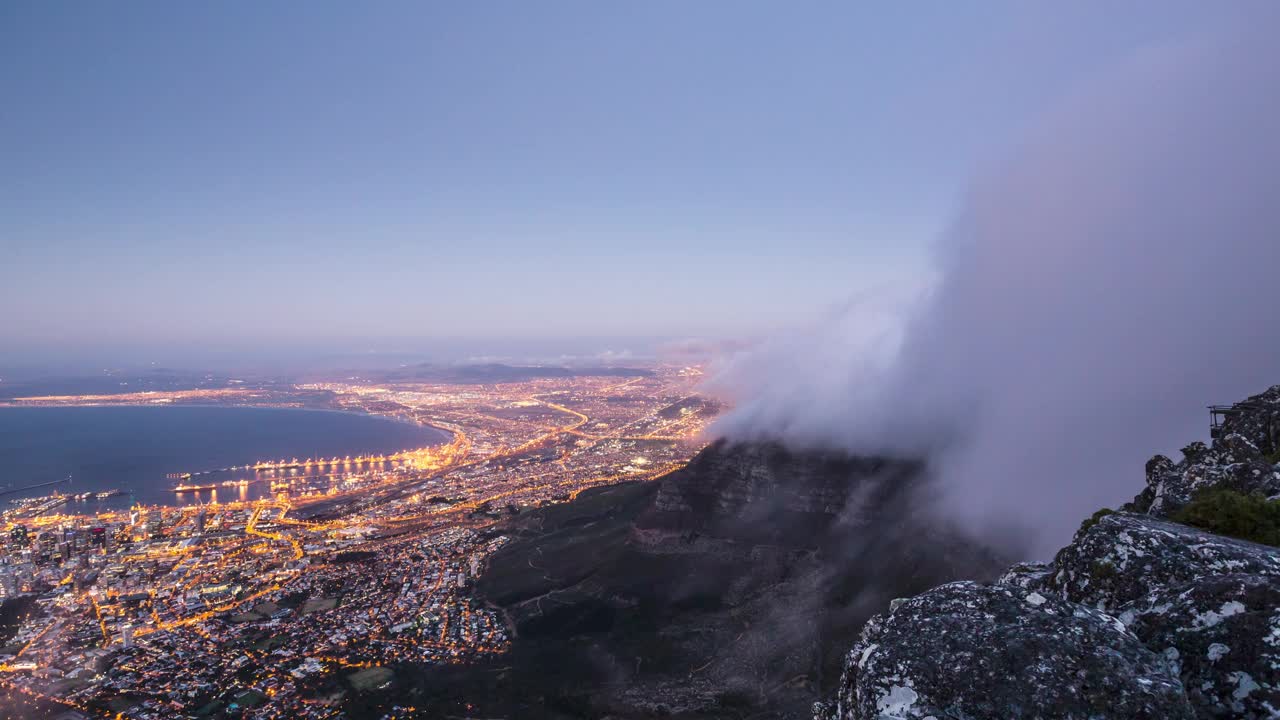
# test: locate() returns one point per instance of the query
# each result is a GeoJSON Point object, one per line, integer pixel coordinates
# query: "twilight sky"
{"type": "Point", "coordinates": [1098, 287]}
{"type": "Point", "coordinates": [217, 175]}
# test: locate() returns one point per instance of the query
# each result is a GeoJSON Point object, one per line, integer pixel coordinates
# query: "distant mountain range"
{"type": "Point", "coordinates": [166, 380]}
{"type": "Point", "coordinates": [487, 373]}
{"type": "Point", "coordinates": [157, 380]}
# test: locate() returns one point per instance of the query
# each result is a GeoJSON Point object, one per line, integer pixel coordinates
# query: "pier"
{"type": "Point", "coordinates": [37, 486]}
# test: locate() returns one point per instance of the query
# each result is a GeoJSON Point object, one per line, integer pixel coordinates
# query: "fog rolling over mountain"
{"type": "Point", "coordinates": [1097, 288]}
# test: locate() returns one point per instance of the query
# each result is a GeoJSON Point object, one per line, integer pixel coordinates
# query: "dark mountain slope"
{"type": "Point", "coordinates": [727, 589]}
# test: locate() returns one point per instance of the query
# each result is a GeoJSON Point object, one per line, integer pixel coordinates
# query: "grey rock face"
{"type": "Point", "coordinates": [1257, 420]}
{"type": "Point", "coordinates": [1027, 575]}
{"type": "Point", "coordinates": [1237, 460]}
{"type": "Point", "coordinates": [1221, 635]}
{"type": "Point", "coordinates": [764, 493]}
{"type": "Point", "coordinates": [1125, 556]}
{"type": "Point", "coordinates": [1198, 628]}
{"type": "Point", "coordinates": [1171, 486]}
{"type": "Point", "coordinates": [965, 650]}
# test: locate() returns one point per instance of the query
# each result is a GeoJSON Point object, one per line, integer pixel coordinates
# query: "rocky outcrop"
{"type": "Point", "coordinates": [753, 494]}
{"type": "Point", "coordinates": [1208, 604]}
{"type": "Point", "coordinates": [966, 650]}
{"type": "Point", "coordinates": [1221, 636]}
{"type": "Point", "coordinates": [1138, 616]}
{"type": "Point", "coordinates": [1027, 575]}
{"type": "Point", "coordinates": [1233, 463]}
{"type": "Point", "coordinates": [1240, 459]}
{"type": "Point", "coordinates": [729, 588]}
{"type": "Point", "coordinates": [1123, 556]}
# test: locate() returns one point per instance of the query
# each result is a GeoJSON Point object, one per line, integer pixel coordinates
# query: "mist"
{"type": "Point", "coordinates": [1113, 274]}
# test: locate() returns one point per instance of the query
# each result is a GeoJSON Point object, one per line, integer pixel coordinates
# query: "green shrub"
{"type": "Point", "coordinates": [1227, 512]}
{"type": "Point", "coordinates": [1094, 518]}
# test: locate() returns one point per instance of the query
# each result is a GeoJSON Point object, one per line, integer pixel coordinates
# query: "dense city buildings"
{"type": "Point", "coordinates": [285, 604]}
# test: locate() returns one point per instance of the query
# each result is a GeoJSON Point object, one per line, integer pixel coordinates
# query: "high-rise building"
{"type": "Point", "coordinates": [46, 545]}
{"type": "Point", "coordinates": [200, 519]}
{"type": "Point", "coordinates": [126, 635]}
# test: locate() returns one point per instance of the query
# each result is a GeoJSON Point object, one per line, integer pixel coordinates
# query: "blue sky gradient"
{"type": "Point", "coordinates": [233, 175]}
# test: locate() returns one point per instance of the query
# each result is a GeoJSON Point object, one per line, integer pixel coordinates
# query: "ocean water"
{"type": "Point", "coordinates": [134, 448]}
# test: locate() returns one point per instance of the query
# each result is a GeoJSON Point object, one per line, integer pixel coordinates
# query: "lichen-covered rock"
{"type": "Point", "coordinates": [1238, 466]}
{"type": "Point", "coordinates": [1256, 419]}
{"type": "Point", "coordinates": [1202, 613]}
{"type": "Point", "coordinates": [823, 710]}
{"type": "Point", "coordinates": [1158, 468]}
{"type": "Point", "coordinates": [965, 650]}
{"type": "Point", "coordinates": [1123, 557]}
{"type": "Point", "coordinates": [1238, 460]}
{"type": "Point", "coordinates": [1221, 635]}
{"type": "Point", "coordinates": [1027, 575]}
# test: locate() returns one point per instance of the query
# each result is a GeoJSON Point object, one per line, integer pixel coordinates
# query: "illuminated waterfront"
{"type": "Point", "coordinates": [296, 593]}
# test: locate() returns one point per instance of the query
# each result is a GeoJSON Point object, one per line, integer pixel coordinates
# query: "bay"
{"type": "Point", "coordinates": [134, 449]}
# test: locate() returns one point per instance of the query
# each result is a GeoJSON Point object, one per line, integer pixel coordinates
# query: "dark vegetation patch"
{"type": "Point", "coordinates": [249, 698]}
{"type": "Point", "coordinates": [1234, 514]}
{"type": "Point", "coordinates": [14, 612]}
{"type": "Point", "coordinates": [703, 407]}
{"type": "Point", "coordinates": [1094, 518]}
{"type": "Point", "coordinates": [352, 556]}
